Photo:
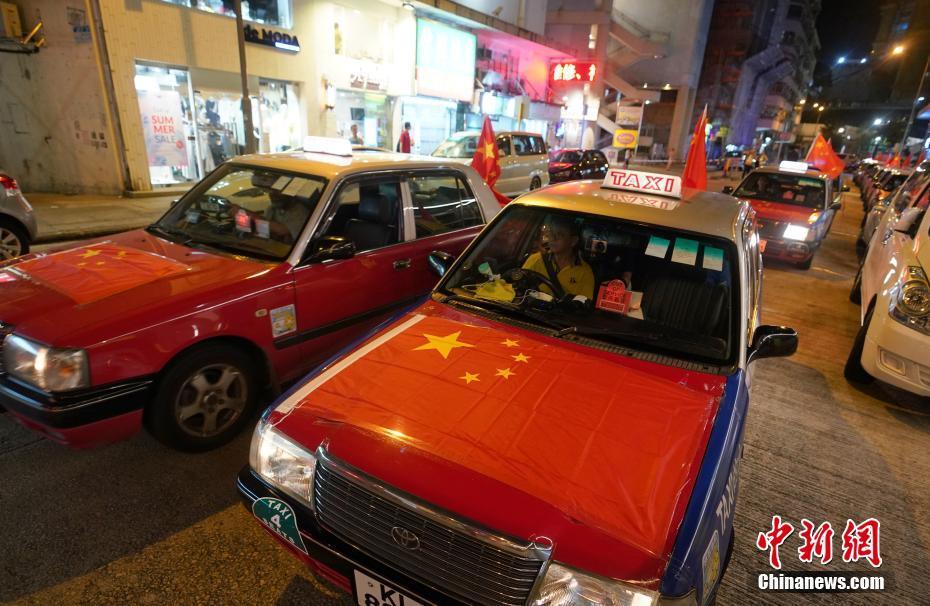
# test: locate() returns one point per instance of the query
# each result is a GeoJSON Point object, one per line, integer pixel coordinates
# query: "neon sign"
{"type": "Point", "coordinates": [571, 71]}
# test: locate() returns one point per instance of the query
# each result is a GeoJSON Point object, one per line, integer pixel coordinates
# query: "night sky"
{"type": "Point", "coordinates": [845, 27]}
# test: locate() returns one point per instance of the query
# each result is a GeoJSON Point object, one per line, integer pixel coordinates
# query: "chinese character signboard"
{"type": "Point", "coordinates": [572, 71]}
{"type": "Point", "coordinates": [163, 126]}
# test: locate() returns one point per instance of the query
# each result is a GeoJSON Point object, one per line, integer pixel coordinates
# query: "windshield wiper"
{"type": "Point", "coordinates": [507, 308]}
{"type": "Point", "coordinates": [174, 235]}
{"type": "Point", "coordinates": [652, 337]}
{"type": "Point", "coordinates": [235, 249]}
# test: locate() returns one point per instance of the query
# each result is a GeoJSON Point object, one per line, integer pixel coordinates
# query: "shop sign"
{"type": "Point", "coordinates": [163, 127]}
{"type": "Point", "coordinates": [445, 61]}
{"type": "Point", "coordinates": [625, 139]}
{"type": "Point", "coordinates": [572, 71]}
{"type": "Point", "coordinates": [269, 37]}
{"type": "Point", "coordinates": [365, 75]}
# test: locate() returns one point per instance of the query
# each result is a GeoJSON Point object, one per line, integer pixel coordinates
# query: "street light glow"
{"type": "Point", "coordinates": [862, 60]}
{"type": "Point", "coordinates": [841, 60]}
{"type": "Point", "coordinates": [897, 50]}
{"type": "Point", "coordinates": [876, 121]}
{"type": "Point", "coordinates": [816, 105]}
{"type": "Point", "coordinates": [841, 129]}
{"type": "Point", "coordinates": [802, 101]}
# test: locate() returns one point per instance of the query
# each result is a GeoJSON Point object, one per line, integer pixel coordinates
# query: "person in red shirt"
{"type": "Point", "coordinates": [405, 144]}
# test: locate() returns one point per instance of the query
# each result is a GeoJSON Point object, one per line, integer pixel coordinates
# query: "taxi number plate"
{"type": "Point", "coordinates": [372, 592]}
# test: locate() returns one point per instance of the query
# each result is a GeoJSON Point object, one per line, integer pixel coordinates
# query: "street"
{"type": "Point", "coordinates": [136, 522]}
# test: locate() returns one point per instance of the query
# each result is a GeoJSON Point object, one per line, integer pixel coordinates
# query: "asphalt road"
{"type": "Point", "coordinates": [135, 523]}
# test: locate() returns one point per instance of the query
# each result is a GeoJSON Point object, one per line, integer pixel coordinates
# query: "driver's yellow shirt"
{"type": "Point", "coordinates": [577, 279]}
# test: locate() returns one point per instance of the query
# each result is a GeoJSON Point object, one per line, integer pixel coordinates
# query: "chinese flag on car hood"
{"type": "Point", "coordinates": [695, 175]}
{"type": "Point", "coordinates": [822, 156]}
{"type": "Point", "coordinates": [487, 159]}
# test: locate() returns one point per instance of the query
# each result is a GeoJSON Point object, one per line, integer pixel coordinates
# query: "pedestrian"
{"type": "Point", "coordinates": [671, 158]}
{"type": "Point", "coordinates": [354, 138]}
{"type": "Point", "coordinates": [405, 143]}
{"type": "Point", "coordinates": [626, 158]}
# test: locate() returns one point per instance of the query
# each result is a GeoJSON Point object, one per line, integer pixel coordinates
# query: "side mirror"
{"type": "Point", "coordinates": [440, 262]}
{"type": "Point", "coordinates": [835, 206]}
{"type": "Point", "coordinates": [727, 189]}
{"type": "Point", "coordinates": [331, 247]}
{"type": "Point", "coordinates": [772, 342]}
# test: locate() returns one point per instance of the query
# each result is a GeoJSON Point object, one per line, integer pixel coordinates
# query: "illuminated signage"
{"type": "Point", "coordinates": [643, 182]}
{"type": "Point", "coordinates": [269, 37]}
{"type": "Point", "coordinates": [570, 71]}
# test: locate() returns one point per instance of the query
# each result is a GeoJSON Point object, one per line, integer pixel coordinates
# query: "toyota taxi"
{"type": "Point", "coordinates": [262, 270]}
{"type": "Point", "coordinates": [561, 422]}
{"type": "Point", "coordinates": [794, 205]}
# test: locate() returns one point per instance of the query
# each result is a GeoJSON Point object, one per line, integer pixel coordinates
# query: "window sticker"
{"type": "Point", "coordinates": [308, 189]}
{"type": "Point", "coordinates": [713, 258]}
{"type": "Point", "coordinates": [243, 221]}
{"type": "Point", "coordinates": [262, 228]}
{"type": "Point", "coordinates": [281, 183]}
{"type": "Point", "coordinates": [685, 251]}
{"type": "Point", "coordinates": [193, 217]}
{"type": "Point", "coordinates": [294, 186]}
{"type": "Point", "coordinates": [811, 182]}
{"type": "Point", "coordinates": [657, 247]}
{"type": "Point", "coordinates": [283, 320]}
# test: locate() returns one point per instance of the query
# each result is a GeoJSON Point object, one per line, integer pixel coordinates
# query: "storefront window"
{"type": "Point", "coordinates": [369, 113]}
{"type": "Point", "coordinates": [431, 120]}
{"type": "Point", "coordinates": [269, 12]}
{"type": "Point", "coordinates": [279, 114]}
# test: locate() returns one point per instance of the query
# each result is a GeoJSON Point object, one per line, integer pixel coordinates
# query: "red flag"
{"type": "Point", "coordinates": [487, 159]}
{"type": "Point", "coordinates": [896, 161]}
{"type": "Point", "coordinates": [822, 156]}
{"type": "Point", "coordinates": [695, 175]}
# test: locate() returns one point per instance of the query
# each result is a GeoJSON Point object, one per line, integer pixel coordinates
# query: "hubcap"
{"type": "Point", "coordinates": [211, 400]}
{"type": "Point", "coordinates": [10, 244]}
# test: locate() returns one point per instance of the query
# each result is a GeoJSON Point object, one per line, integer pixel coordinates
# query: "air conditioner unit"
{"type": "Point", "coordinates": [11, 26]}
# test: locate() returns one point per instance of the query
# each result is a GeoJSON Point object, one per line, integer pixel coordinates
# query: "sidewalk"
{"type": "Point", "coordinates": [62, 217]}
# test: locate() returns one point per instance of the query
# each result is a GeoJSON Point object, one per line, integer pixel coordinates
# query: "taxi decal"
{"type": "Point", "coordinates": [278, 517]}
{"type": "Point", "coordinates": [283, 321]}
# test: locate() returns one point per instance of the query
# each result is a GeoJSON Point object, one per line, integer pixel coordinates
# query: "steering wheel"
{"type": "Point", "coordinates": [526, 279]}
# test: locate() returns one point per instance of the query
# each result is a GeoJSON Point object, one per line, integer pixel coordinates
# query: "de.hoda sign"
{"type": "Point", "coordinates": [269, 37]}
{"type": "Point", "coordinates": [642, 182]}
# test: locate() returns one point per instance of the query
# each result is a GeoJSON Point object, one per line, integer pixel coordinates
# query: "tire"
{"type": "Point", "coordinates": [535, 183]}
{"type": "Point", "coordinates": [806, 264]}
{"type": "Point", "coordinates": [853, 371]}
{"type": "Point", "coordinates": [14, 241]}
{"type": "Point", "coordinates": [855, 293]}
{"type": "Point", "coordinates": [191, 393]}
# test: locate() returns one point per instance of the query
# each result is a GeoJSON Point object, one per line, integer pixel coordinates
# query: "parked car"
{"type": "Point", "coordinates": [885, 187]}
{"type": "Point", "coordinates": [17, 219]}
{"type": "Point", "coordinates": [866, 168]}
{"type": "Point", "coordinates": [261, 271]}
{"type": "Point", "coordinates": [524, 159]}
{"type": "Point", "coordinates": [893, 341]}
{"type": "Point", "coordinates": [794, 208]}
{"type": "Point", "coordinates": [869, 184]}
{"type": "Point", "coordinates": [573, 164]}
{"type": "Point", "coordinates": [545, 424]}
{"type": "Point", "coordinates": [899, 199]}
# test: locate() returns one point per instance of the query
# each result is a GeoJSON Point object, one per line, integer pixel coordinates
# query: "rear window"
{"type": "Point", "coordinates": [569, 157]}
{"type": "Point", "coordinates": [784, 189]}
{"type": "Point", "coordinates": [461, 146]}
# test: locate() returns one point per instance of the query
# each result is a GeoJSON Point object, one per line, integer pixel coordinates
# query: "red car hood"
{"type": "Point", "coordinates": [79, 295]}
{"type": "Point", "coordinates": [776, 211]}
{"type": "Point", "coordinates": [526, 434]}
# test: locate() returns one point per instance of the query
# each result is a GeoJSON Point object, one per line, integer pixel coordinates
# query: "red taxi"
{"type": "Point", "coordinates": [794, 205]}
{"type": "Point", "coordinates": [261, 271]}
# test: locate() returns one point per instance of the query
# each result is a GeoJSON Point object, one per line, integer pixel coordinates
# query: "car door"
{"type": "Point", "coordinates": [508, 182]}
{"type": "Point", "coordinates": [340, 298]}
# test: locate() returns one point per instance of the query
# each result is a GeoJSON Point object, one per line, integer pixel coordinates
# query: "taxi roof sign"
{"type": "Point", "coordinates": [327, 145]}
{"type": "Point", "coordinates": [658, 184]}
{"type": "Point", "coordinates": [793, 167]}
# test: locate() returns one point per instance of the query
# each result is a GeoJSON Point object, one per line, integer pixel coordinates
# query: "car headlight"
{"type": "Point", "coordinates": [48, 368]}
{"type": "Point", "coordinates": [564, 586]}
{"type": "Point", "coordinates": [283, 463]}
{"type": "Point", "coordinates": [910, 300]}
{"type": "Point", "coordinates": [796, 232]}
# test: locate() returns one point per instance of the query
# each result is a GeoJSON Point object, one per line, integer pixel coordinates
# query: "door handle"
{"type": "Point", "coordinates": [401, 264]}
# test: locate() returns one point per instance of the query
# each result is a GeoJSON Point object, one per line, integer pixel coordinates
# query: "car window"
{"type": "Point", "coordinates": [457, 146]}
{"type": "Point", "coordinates": [443, 203]}
{"type": "Point", "coordinates": [909, 191]}
{"type": "Point", "coordinates": [503, 145]}
{"type": "Point", "coordinates": [568, 157]}
{"type": "Point", "coordinates": [924, 200]}
{"type": "Point", "coordinates": [538, 146]}
{"type": "Point", "coordinates": [366, 213]}
{"type": "Point", "coordinates": [248, 210]}
{"type": "Point", "coordinates": [600, 157]}
{"type": "Point", "coordinates": [797, 190]}
{"type": "Point", "coordinates": [522, 146]}
{"type": "Point", "coordinates": [645, 287]}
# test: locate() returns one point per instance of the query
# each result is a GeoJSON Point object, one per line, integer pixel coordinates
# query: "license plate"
{"type": "Point", "coordinates": [372, 592]}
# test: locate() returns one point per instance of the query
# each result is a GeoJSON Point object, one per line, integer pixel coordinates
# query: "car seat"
{"type": "Point", "coordinates": [685, 303]}
{"type": "Point", "coordinates": [376, 225]}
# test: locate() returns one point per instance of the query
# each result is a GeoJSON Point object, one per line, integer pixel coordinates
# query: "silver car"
{"type": "Point", "coordinates": [17, 219]}
{"type": "Point", "coordinates": [524, 159]}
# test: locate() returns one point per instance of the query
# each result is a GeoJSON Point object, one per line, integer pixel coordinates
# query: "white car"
{"type": "Point", "coordinates": [900, 200]}
{"type": "Point", "coordinates": [893, 342]}
{"type": "Point", "coordinates": [524, 158]}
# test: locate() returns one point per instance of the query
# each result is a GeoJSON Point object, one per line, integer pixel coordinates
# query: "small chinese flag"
{"type": "Point", "coordinates": [695, 175]}
{"type": "Point", "coordinates": [896, 161]}
{"type": "Point", "coordinates": [487, 159]}
{"type": "Point", "coordinates": [822, 156]}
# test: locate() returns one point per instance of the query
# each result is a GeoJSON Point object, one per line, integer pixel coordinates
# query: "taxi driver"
{"type": "Point", "coordinates": [560, 259]}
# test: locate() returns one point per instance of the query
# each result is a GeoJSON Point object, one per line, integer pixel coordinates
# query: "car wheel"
{"type": "Point", "coordinates": [854, 372]}
{"type": "Point", "coordinates": [806, 264]}
{"type": "Point", "coordinates": [535, 183]}
{"type": "Point", "coordinates": [855, 293]}
{"type": "Point", "coordinates": [13, 240]}
{"type": "Point", "coordinates": [204, 399]}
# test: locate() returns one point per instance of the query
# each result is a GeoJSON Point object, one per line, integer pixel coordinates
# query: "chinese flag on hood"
{"type": "Point", "coordinates": [822, 156]}
{"type": "Point", "coordinates": [695, 175]}
{"type": "Point", "coordinates": [487, 159]}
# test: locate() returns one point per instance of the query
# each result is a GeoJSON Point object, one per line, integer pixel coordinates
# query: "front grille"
{"type": "Point", "coordinates": [460, 561]}
{"type": "Point", "coordinates": [771, 230]}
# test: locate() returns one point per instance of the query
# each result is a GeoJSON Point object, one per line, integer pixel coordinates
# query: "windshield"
{"type": "Point", "coordinates": [457, 146]}
{"type": "Point", "coordinates": [245, 210]}
{"type": "Point", "coordinates": [637, 286]}
{"type": "Point", "coordinates": [893, 182]}
{"type": "Point", "coordinates": [569, 157]}
{"type": "Point", "coordinates": [784, 189]}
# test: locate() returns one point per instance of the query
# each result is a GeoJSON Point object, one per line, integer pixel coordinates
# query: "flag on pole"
{"type": "Point", "coordinates": [896, 161]}
{"type": "Point", "coordinates": [487, 159]}
{"type": "Point", "coordinates": [695, 175]}
{"type": "Point", "coordinates": [822, 156]}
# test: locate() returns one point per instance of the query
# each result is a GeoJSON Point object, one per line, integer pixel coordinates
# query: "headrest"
{"type": "Point", "coordinates": [376, 208]}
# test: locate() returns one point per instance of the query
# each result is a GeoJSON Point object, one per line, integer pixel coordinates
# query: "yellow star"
{"type": "Point", "coordinates": [90, 253]}
{"type": "Point", "coordinates": [521, 358]}
{"type": "Point", "coordinates": [121, 254]}
{"type": "Point", "coordinates": [443, 344]}
{"type": "Point", "coordinates": [81, 264]}
{"type": "Point", "coordinates": [489, 150]}
{"type": "Point", "coordinates": [509, 343]}
{"type": "Point", "coordinates": [468, 378]}
{"type": "Point", "coordinates": [100, 263]}
{"type": "Point", "coordinates": [504, 372]}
